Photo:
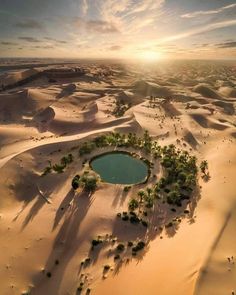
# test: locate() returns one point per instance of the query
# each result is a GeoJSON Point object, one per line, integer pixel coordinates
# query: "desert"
{"type": "Point", "coordinates": [117, 147]}
{"type": "Point", "coordinates": [47, 227]}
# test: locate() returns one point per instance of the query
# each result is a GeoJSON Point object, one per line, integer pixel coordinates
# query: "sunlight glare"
{"type": "Point", "coordinates": [149, 56]}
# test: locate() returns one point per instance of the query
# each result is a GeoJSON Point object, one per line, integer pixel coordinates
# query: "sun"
{"type": "Point", "coordinates": [149, 56]}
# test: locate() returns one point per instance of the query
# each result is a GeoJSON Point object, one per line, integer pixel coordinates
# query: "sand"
{"type": "Point", "coordinates": [42, 120]}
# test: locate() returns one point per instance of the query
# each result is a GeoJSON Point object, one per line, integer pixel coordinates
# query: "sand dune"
{"type": "Point", "coordinates": [46, 227]}
{"type": "Point", "coordinates": [206, 91]}
{"type": "Point", "coordinates": [14, 106]}
{"type": "Point", "coordinates": [228, 91]}
{"type": "Point", "coordinates": [149, 88]}
{"type": "Point", "coordinates": [204, 122]}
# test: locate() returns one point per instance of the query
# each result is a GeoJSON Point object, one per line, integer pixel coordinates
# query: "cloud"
{"type": "Point", "coordinates": [6, 43]}
{"type": "Point", "coordinates": [29, 39]}
{"type": "Point", "coordinates": [44, 47]}
{"type": "Point", "coordinates": [226, 45]}
{"type": "Point", "coordinates": [208, 12]}
{"type": "Point", "coordinates": [147, 5]}
{"type": "Point", "coordinates": [96, 26]}
{"type": "Point", "coordinates": [84, 7]}
{"type": "Point", "coordinates": [199, 30]}
{"type": "Point", "coordinates": [55, 40]}
{"type": "Point", "coordinates": [115, 47]}
{"type": "Point", "coordinates": [131, 16]}
{"type": "Point", "coordinates": [30, 24]}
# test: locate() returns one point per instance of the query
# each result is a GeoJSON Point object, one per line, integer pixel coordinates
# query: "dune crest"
{"type": "Point", "coordinates": [51, 232]}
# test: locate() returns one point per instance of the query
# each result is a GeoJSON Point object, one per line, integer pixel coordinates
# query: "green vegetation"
{"type": "Point", "coordinates": [87, 181]}
{"type": "Point", "coordinates": [130, 244]}
{"type": "Point", "coordinates": [133, 204]}
{"type": "Point", "coordinates": [174, 188]}
{"type": "Point", "coordinates": [176, 185]}
{"type": "Point", "coordinates": [139, 246]}
{"type": "Point", "coordinates": [120, 247]}
{"type": "Point", "coordinates": [127, 188]}
{"type": "Point", "coordinates": [204, 170]}
{"type": "Point", "coordinates": [96, 242]}
{"type": "Point", "coordinates": [106, 267]}
{"type": "Point", "coordinates": [75, 182]}
{"type": "Point", "coordinates": [46, 170]}
{"type": "Point", "coordinates": [86, 148]}
{"type": "Point", "coordinates": [58, 167]}
{"type": "Point", "coordinates": [120, 108]}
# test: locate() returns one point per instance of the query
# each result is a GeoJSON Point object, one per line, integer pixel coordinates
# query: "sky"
{"type": "Point", "coordinates": [146, 29]}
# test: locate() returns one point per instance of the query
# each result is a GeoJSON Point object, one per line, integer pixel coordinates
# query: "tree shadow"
{"type": "Point", "coordinates": [66, 242]}
{"type": "Point", "coordinates": [33, 211]}
{"type": "Point", "coordinates": [27, 189]}
{"type": "Point", "coordinates": [116, 199]}
{"type": "Point", "coordinates": [162, 218]}
{"type": "Point", "coordinates": [65, 204]}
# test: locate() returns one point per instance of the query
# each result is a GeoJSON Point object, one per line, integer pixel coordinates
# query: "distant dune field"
{"type": "Point", "coordinates": [46, 228]}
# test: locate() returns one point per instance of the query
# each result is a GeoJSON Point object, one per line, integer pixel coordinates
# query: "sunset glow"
{"type": "Point", "coordinates": [118, 29]}
{"type": "Point", "coordinates": [149, 56]}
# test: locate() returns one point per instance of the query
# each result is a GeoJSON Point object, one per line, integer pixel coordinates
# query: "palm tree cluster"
{"type": "Point", "coordinates": [120, 108]}
{"type": "Point", "coordinates": [179, 175]}
{"type": "Point", "coordinates": [87, 181]}
{"type": "Point", "coordinates": [119, 140]}
{"type": "Point", "coordinates": [179, 167]}
{"type": "Point", "coordinates": [58, 167]}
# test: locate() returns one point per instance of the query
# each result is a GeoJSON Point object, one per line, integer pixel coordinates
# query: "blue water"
{"type": "Point", "coordinates": [120, 168]}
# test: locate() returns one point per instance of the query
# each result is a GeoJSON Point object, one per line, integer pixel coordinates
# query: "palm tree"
{"type": "Point", "coordinates": [141, 195]}
{"type": "Point", "coordinates": [204, 166]}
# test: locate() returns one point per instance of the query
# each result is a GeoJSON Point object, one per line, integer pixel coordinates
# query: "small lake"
{"type": "Point", "coordinates": [120, 168]}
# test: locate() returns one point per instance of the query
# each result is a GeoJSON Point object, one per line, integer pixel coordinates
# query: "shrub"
{"type": "Point", "coordinates": [100, 141]}
{"type": "Point", "coordinates": [106, 267]}
{"type": "Point", "coordinates": [170, 224]}
{"type": "Point", "coordinates": [127, 188]}
{"type": "Point", "coordinates": [133, 204]}
{"type": "Point", "coordinates": [134, 219]}
{"type": "Point", "coordinates": [144, 223]}
{"type": "Point", "coordinates": [67, 160]}
{"type": "Point", "coordinates": [125, 217]}
{"type": "Point", "coordinates": [75, 182]}
{"type": "Point", "coordinates": [149, 202]}
{"type": "Point", "coordinates": [89, 182]}
{"type": "Point", "coordinates": [47, 170]}
{"type": "Point", "coordinates": [96, 242]}
{"type": "Point", "coordinates": [130, 244]}
{"type": "Point", "coordinates": [204, 167]}
{"type": "Point", "coordinates": [120, 247]}
{"type": "Point", "coordinates": [140, 245]}
{"type": "Point", "coordinates": [58, 168]}
{"type": "Point", "coordinates": [86, 148]}
{"type": "Point", "coordinates": [173, 198]}
{"type": "Point", "coordinates": [116, 257]}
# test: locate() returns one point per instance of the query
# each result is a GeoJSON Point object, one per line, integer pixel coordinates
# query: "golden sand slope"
{"type": "Point", "coordinates": [43, 121]}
